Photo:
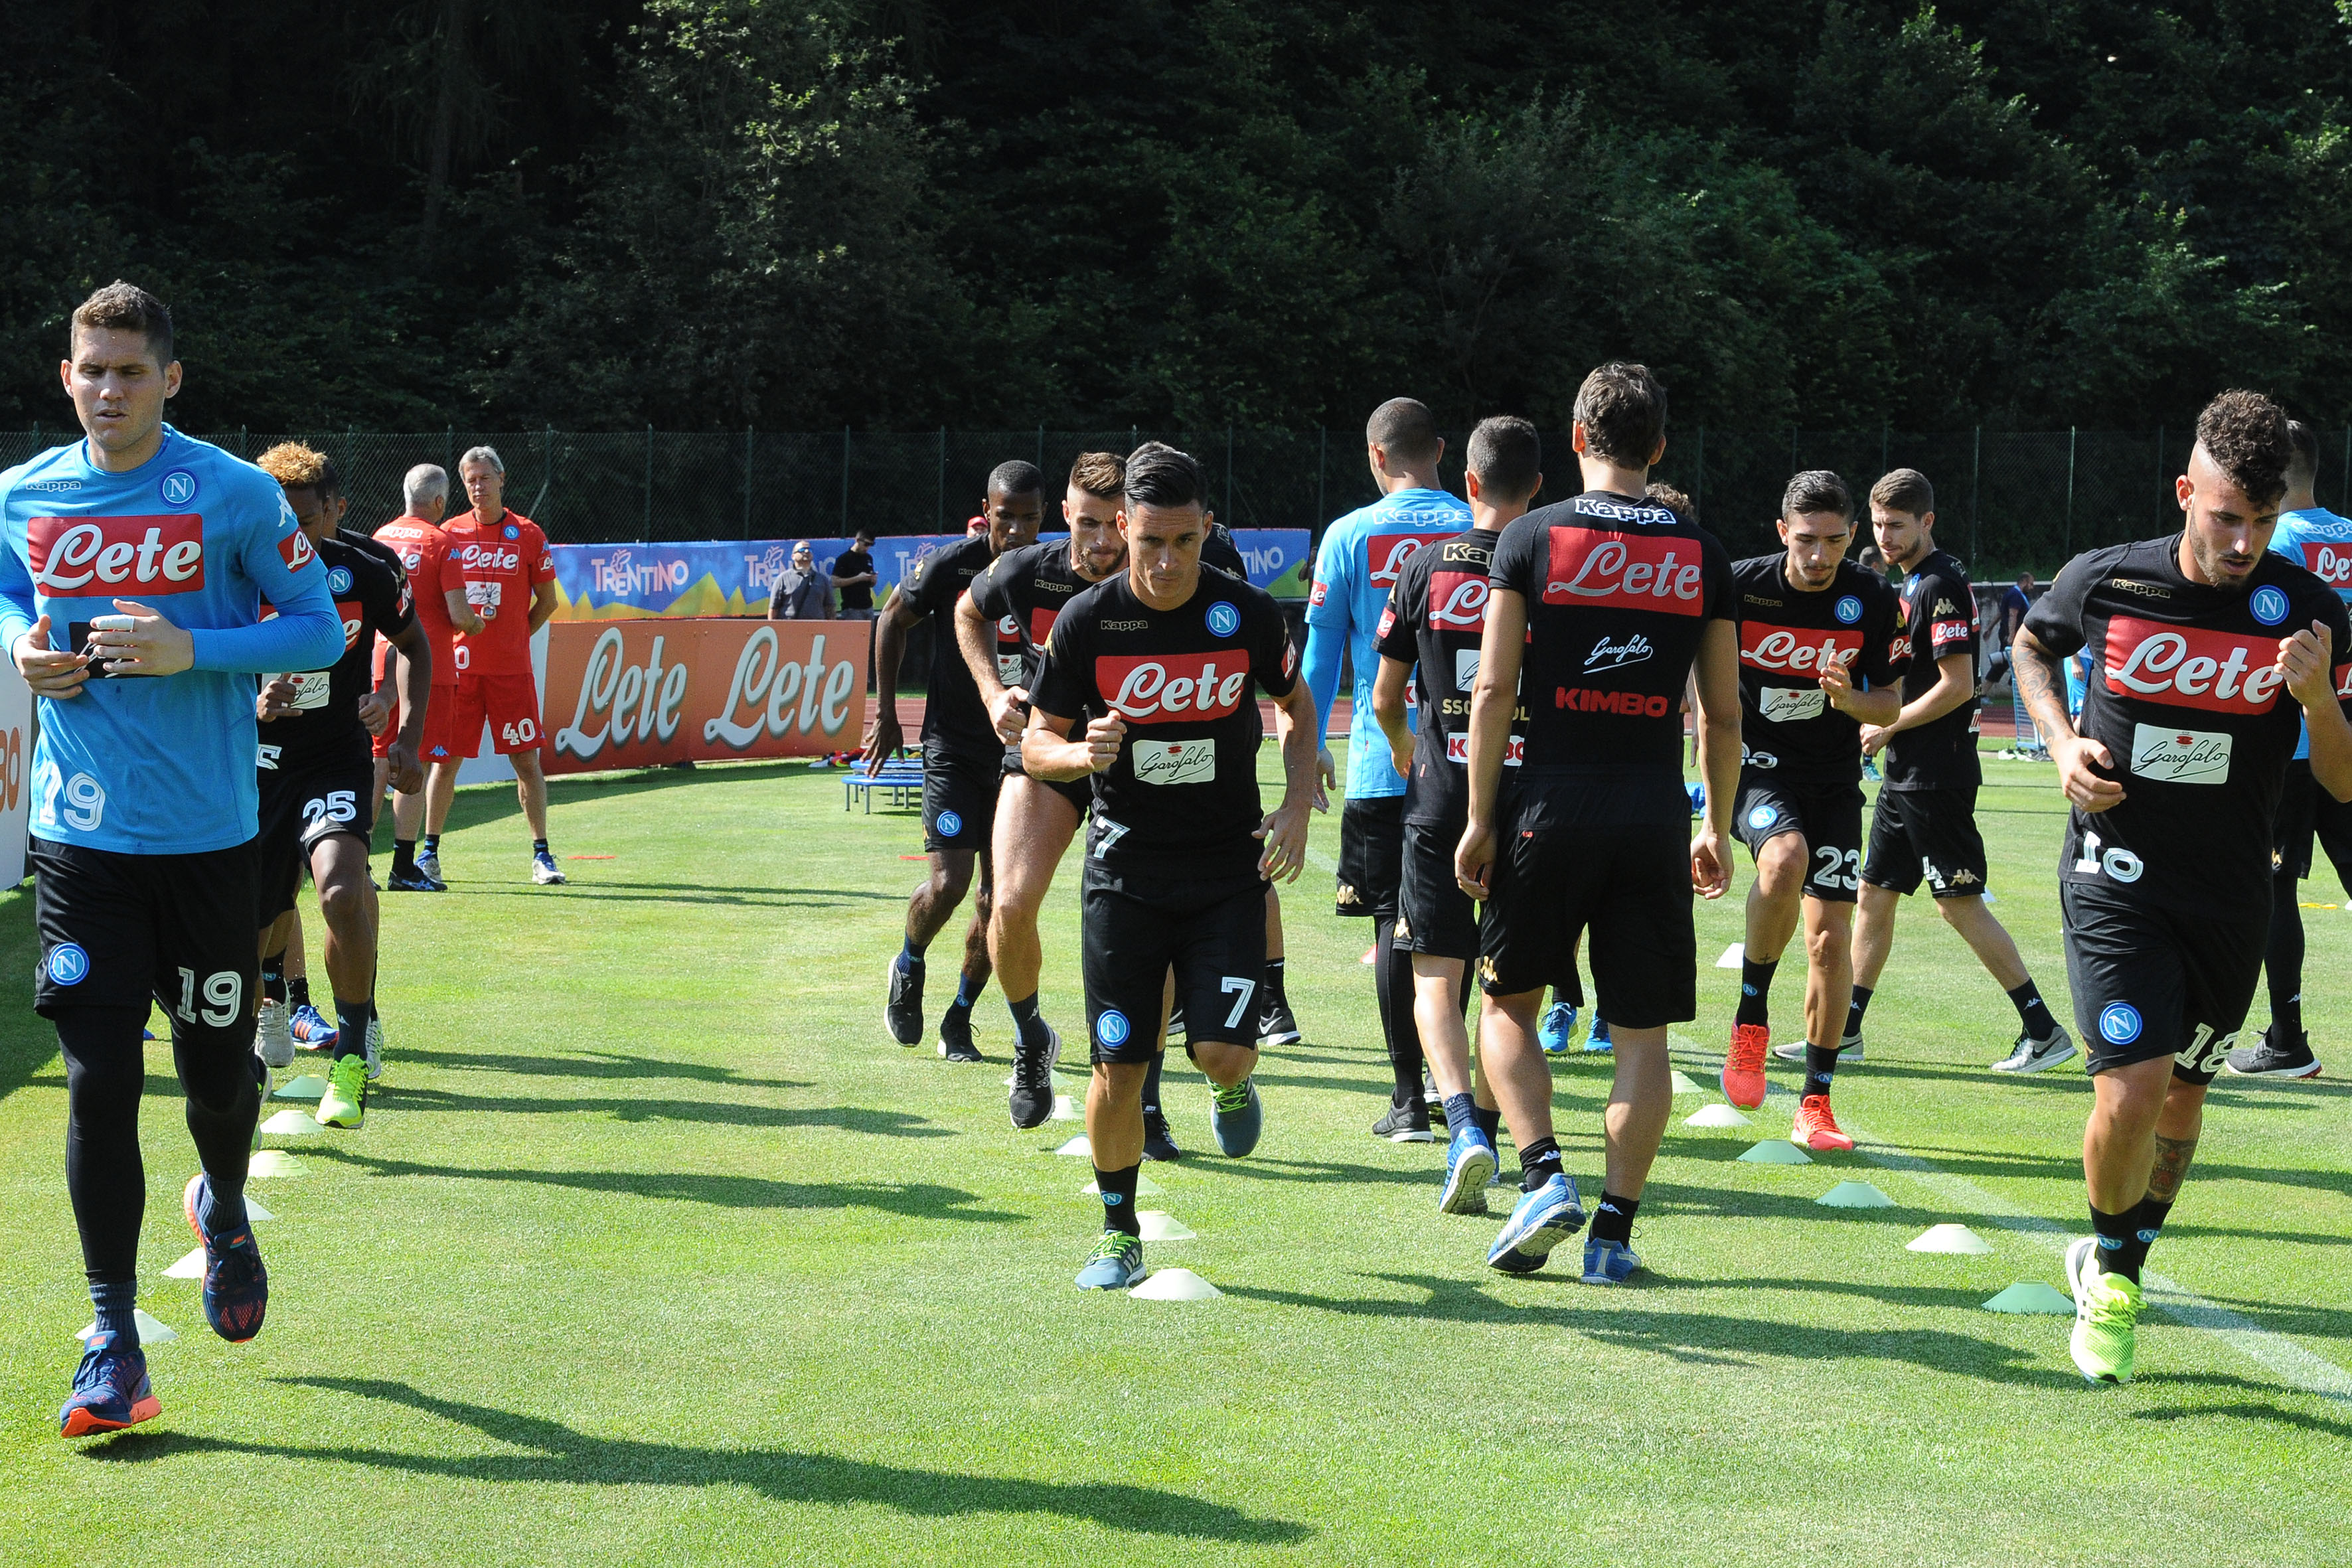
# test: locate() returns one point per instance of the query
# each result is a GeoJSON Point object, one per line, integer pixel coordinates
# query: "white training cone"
{"type": "Point", "coordinates": [1175, 1284]}
{"type": "Point", "coordinates": [1715, 1116]}
{"type": "Point", "coordinates": [2032, 1296]}
{"type": "Point", "coordinates": [1008, 1083]}
{"type": "Point", "coordinates": [1855, 1196]}
{"type": "Point", "coordinates": [1685, 1084]}
{"type": "Point", "coordinates": [271, 1163]}
{"type": "Point", "coordinates": [1145, 1187]}
{"type": "Point", "coordinates": [192, 1267]}
{"type": "Point", "coordinates": [1077, 1148]}
{"type": "Point", "coordinates": [1159, 1227]}
{"type": "Point", "coordinates": [292, 1125]}
{"type": "Point", "coordinates": [1777, 1152]}
{"type": "Point", "coordinates": [1733, 956]}
{"type": "Point", "coordinates": [150, 1332]}
{"type": "Point", "coordinates": [307, 1087]}
{"type": "Point", "coordinates": [1950, 1238]}
{"type": "Point", "coordinates": [256, 1214]}
{"type": "Point", "coordinates": [1063, 1111]}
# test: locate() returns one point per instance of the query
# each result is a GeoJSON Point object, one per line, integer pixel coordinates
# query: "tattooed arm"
{"type": "Point", "coordinates": [2042, 685]}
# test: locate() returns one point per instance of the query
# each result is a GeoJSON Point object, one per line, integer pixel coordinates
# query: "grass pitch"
{"type": "Point", "coordinates": [654, 1249]}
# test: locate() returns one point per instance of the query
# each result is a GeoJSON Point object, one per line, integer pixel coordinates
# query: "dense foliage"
{"type": "Point", "coordinates": [894, 212]}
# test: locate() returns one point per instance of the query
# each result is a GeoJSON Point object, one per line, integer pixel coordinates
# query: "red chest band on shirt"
{"type": "Point", "coordinates": [2188, 667]}
{"type": "Point", "coordinates": [1625, 571]}
{"type": "Point", "coordinates": [1171, 688]}
{"type": "Point", "coordinates": [77, 557]}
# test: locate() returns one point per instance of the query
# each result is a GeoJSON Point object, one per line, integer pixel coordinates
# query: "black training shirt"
{"type": "Point", "coordinates": [953, 714]}
{"type": "Point", "coordinates": [1022, 591]}
{"type": "Point", "coordinates": [370, 599]}
{"type": "Point", "coordinates": [1940, 619]}
{"type": "Point", "coordinates": [1435, 617]}
{"type": "Point", "coordinates": [1787, 726]}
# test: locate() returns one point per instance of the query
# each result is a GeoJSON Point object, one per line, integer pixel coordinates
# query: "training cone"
{"type": "Point", "coordinates": [1145, 1187]}
{"type": "Point", "coordinates": [1158, 1226]}
{"type": "Point", "coordinates": [150, 1332]}
{"type": "Point", "coordinates": [1077, 1148]}
{"type": "Point", "coordinates": [1777, 1152]}
{"type": "Point", "coordinates": [192, 1267]}
{"type": "Point", "coordinates": [255, 1214]}
{"type": "Point", "coordinates": [1855, 1196]}
{"type": "Point", "coordinates": [2032, 1296]}
{"type": "Point", "coordinates": [1175, 1284]}
{"type": "Point", "coordinates": [307, 1087]}
{"type": "Point", "coordinates": [268, 1162]}
{"type": "Point", "coordinates": [1952, 1238]}
{"type": "Point", "coordinates": [1685, 1084]}
{"type": "Point", "coordinates": [1008, 1081]}
{"type": "Point", "coordinates": [1065, 1112]}
{"type": "Point", "coordinates": [1732, 956]}
{"type": "Point", "coordinates": [292, 1125]}
{"type": "Point", "coordinates": [1715, 1116]}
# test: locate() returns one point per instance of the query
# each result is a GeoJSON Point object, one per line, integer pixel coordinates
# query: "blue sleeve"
{"type": "Point", "coordinates": [306, 634]}
{"type": "Point", "coordinates": [17, 609]}
{"type": "Point", "coordinates": [1327, 622]}
{"type": "Point", "coordinates": [1325, 646]}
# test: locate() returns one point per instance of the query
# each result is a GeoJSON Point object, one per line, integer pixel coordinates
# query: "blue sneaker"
{"type": "Point", "coordinates": [1116, 1263]}
{"type": "Point", "coordinates": [1544, 1218]}
{"type": "Point", "coordinates": [1468, 1165]}
{"type": "Point", "coordinates": [237, 1287]}
{"type": "Point", "coordinates": [110, 1391]}
{"type": "Point", "coordinates": [1236, 1116]}
{"type": "Point", "coordinates": [310, 1029]}
{"type": "Point", "coordinates": [1608, 1262]}
{"type": "Point", "coordinates": [1598, 1039]}
{"type": "Point", "coordinates": [1558, 1029]}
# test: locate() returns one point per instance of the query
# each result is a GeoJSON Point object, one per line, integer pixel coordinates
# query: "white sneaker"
{"type": "Point", "coordinates": [273, 1038]}
{"type": "Point", "coordinates": [543, 870]}
{"type": "Point", "coordinates": [2032, 1056]}
{"type": "Point", "coordinates": [1848, 1051]}
{"type": "Point", "coordinates": [428, 865]}
{"type": "Point", "coordinates": [375, 1049]}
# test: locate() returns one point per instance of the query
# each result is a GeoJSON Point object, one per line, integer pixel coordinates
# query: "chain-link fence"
{"type": "Point", "coordinates": [2006, 501]}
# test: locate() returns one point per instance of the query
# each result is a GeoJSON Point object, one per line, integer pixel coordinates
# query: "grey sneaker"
{"type": "Point", "coordinates": [428, 865]}
{"type": "Point", "coordinates": [2032, 1056]}
{"type": "Point", "coordinates": [375, 1049]}
{"type": "Point", "coordinates": [273, 1039]}
{"type": "Point", "coordinates": [1849, 1052]}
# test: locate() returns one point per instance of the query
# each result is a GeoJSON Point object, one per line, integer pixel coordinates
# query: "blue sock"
{"type": "Point", "coordinates": [350, 1028]}
{"type": "Point", "coordinates": [114, 1300]}
{"type": "Point", "coordinates": [910, 957]}
{"type": "Point", "coordinates": [224, 1212]}
{"type": "Point", "coordinates": [1461, 1111]}
{"type": "Point", "coordinates": [968, 991]}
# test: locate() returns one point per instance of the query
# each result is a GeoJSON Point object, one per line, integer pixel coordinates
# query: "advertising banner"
{"type": "Point", "coordinates": [634, 694]}
{"type": "Point", "coordinates": [15, 766]}
{"type": "Point", "coordinates": [635, 581]}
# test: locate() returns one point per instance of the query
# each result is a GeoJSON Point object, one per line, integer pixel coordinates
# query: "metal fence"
{"type": "Point", "coordinates": [2006, 501]}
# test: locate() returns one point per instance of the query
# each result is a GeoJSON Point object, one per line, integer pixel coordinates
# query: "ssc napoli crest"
{"type": "Point", "coordinates": [1763, 817]}
{"type": "Point", "coordinates": [950, 824]}
{"type": "Point", "coordinates": [2119, 1023]}
{"type": "Point", "coordinates": [2268, 605]}
{"type": "Point", "coordinates": [339, 581]}
{"type": "Point", "coordinates": [1223, 619]}
{"type": "Point", "coordinates": [1112, 1028]}
{"type": "Point", "coordinates": [68, 964]}
{"type": "Point", "coordinates": [511, 532]}
{"type": "Point", "coordinates": [1849, 610]}
{"type": "Point", "coordinates": [177, 487]}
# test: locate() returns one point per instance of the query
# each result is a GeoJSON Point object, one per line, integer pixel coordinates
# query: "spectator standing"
{"type": "Point", "coordinates": [801, 593]}
{"type": "Point", "coordinates": [854, 578]}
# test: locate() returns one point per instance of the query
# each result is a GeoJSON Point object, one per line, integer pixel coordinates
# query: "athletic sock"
{"type": "Point", "coordinates": [1614, 1220]}
{"type": "Point", "coordinates": [1151, 1083]}
{"type": "Point", "coordinates": [1489, 1121]}
{"type": "Point", "coordinates": [1855, 1009]}
{"type": "Point", "coordinates": [1274, 994]}
{"type": "Point", "coordinates": [404, 856]}
{"type": "Point", "coordinates": [1538, 1162]}
{"type": "Point", "coordinates": [350, 1028]}
{"type": "Point", "coordinates": [1755, 991]}
{"type": "Point", "coordinates": [114, 1299]}
{"type": "Point", "coordinates": [910, 957]}
{"type": "Point", "coordinates": [297, 991]}
{"type": "Point", "coordinates": [2283, 962]}
{"type": "Point", "coordinates": [430, 844]}
{"type": "Point", "coordinates": [1461, 1111]}
{"type": "Point", "coordinates": [1025, 1022]}
{"type": "Point", "coordinates": [273, 978]}
{"type": "Point", "coordinates": [2120, 1249]}
{"type": "Point", "coordinates": [2147, 1220]}
{"type": "Point", "coordinates": [1398, 1031]}
{"type": "Point", "coordinates": [2039, 1024]}
{"type": "Point", "coordinates": [968, 991]}
{"type": "Point", "coordinates": [539, 845]}
{"type": "Point", "coordinates": [1118, 1189]}
{"type": "Point", "coordinates": [1820, 1066]}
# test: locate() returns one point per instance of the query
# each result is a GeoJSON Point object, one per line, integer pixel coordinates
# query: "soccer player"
{"type": "Point", "coordinates": [316, 776]}
{"type": "Point", "coordinates": [1157, 664]}
{"type": "Point", "coordinates": [963, 756]}
{"type": "Point", "coordinates": [2321, 543]}
{"type": "Point", "coordinates": [2206, 646]}
{"type": "Point", "coordinates": [1924, 822]}
{"type": "Point", "coordinates": [1601, 609]}
{"type": "Point", "coordinates": [1816, 647]}
{"type": "Point", "coordinates": [1355, 567]}
{"type": "Point", "coordinates": [1433, 625]}
{"type": "Point", "coordinates": [131, 590]}
{"type": "Point", "coordinates": [498, 579]}
{"type": "Point", "coordinates": [417, 538]}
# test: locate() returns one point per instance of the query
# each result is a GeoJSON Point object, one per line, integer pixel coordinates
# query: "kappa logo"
{"type": "Point", "coordinates": [1347, 898]}
{"type": "Point", "coordinates": [101, 556]}
{"type": "Point", "coordinates": [1964, 877]}
{"type": "Point", "coordinates": [2144, 590]}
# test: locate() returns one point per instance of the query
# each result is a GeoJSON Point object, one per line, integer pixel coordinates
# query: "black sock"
{"type": "Point", "coordinates": [352, 1026]}
{"type": "Point", "coordinates": [297, 991]}
{"type": "Point", "coordinates": [2039, 1024]}
{"type": "Point", "coordinates": [430, 844]}
{"type": "Point", "coordinates": [2120, 1249]}
{"type": "Point", "coordinates": [1118, 1189]}
{"type": "Point", "coordinates": [273, 978]}
{"type": "Point", "coordinates": [1820, 1066]}
{"type": "Point", "coordinates": [1614, 1220]}
{"type": "Point", "coordinates": [2283, 962]}
{"type": "Point", "coordinates": [539, 845]}
{"type": "Point", "coordinates": [1538, 1162]}
{"type": "Point", "coordinates": [2147, 1221]}
{"type": "Point", "coordinates": [1489, 1121]}
{"type": "Point", "coordinates": [1025, 1021]}
{"type": "Point", "coordinates": [1151, 1083]}
{"type": "Point", "coordinates": [1855, 1009]}
{"type": "Point", "coordinates": [404, 856]}
{"type": "Point", "coordinates": [1755, 991]}
{"type": "Point", "coordinates": [113, 1300]}
{"type": "Point", "coordinates": [1397, 1028]}
{"type": "Point", "coordinates": [1274, 995]}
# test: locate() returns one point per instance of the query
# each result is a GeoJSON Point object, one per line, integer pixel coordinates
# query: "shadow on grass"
{"type": "Point", "coordinates": [591, 1064]}
{"type": "Point", "coordinates": [914, 1200]}
{"type": "Point", "coordinates": [2249, 1410]}
{"type": "Point", "coordinates": [713, 1112]}
{"type": "Point", "coordinates": [554, 1453]}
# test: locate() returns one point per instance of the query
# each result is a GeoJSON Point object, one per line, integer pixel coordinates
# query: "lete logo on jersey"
{"type": "Point", "coordinates": [1793, 650]}
{"type": "Point", "coordinates": [1457, 601]}
{"type": "Point", "coordinates": [1386, 553]}
{"type": "Point", "coordinates": [2331, 564]}
{"type": "Point", "coordinates": [78, 557]}
{"type": "Point", "coordinates": [1590, 566]}
{"type": "Point", "coordinates": [2189, 666]}
{"type": "Point", "coordinates": [1172, 688]}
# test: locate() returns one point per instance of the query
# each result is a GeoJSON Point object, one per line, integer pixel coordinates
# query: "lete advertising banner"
{"type": "Point", "coordinates": [16, 764]}
{"type": "Point", "coordinates": [635, 581]}
{"type": "Point", "coordinates": [633, 694]}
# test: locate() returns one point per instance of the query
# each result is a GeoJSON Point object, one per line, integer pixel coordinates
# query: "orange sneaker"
{"type": "Point", "coordinates": [1743, 1065]}
{"type": "Point", "coordinates": [1816, 1129]}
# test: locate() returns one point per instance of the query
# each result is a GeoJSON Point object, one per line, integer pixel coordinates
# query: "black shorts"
{"type": "Point", "coordinates": [1829, 816]}
{"type": "Point", "coordinates": [117, 930]}
{"type": "Point", "coordinates": [1930, 833]}
{"type": "Point", "coordinates": [1079, 793]}
{"type": "Point", "coordinates": [959, 800]}
{"type": "Point", "coordinates": [303, 801]}
{"type": "Point", "coordinates": [2306, 812]}
{"type": "Point", "coordinates": [1435, 915]}
{"type": "Point", "coordinates": [2152, 982]}
{"type": "Point", "coordinates": [1371, 856]}
{"type": "Point", "coordinates": [1628, 883]}
{"type": "Point", "coordinates": [1135, 929]}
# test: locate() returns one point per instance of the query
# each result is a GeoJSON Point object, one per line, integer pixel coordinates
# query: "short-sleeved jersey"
{"type": "Point", "coordinates": [1435, 619]}
{"type": "Point", "coordinates": [1355, 567]}
{"type": "Point", "coordinates": [372, 601]}
{"type": "Point", "coordinates": [1619, 593]}
{"type": "Point", "coordinates": [1182, 799]}
{"type": "Point", "coordinates": [1218, 549]}
{"type": "Point", "coordinates": [1786, 636]}
{"type": "Point", "coordinates": [1022, 591]}
{"type": "Point", "coordinates": [1938, 619]}
{"type": "Point", "coordinates": [497, 565]}
{"type": "Point", "coordinates": [143, 765]}
{"type": "Point", "coordinates": [954, 718]}
{"type": "Point", "coordinates": [2187, 695]}
{"type": "Point", "coordinates": [2320, 543]}
{"type": "Point", "coordinates": [420, 546]}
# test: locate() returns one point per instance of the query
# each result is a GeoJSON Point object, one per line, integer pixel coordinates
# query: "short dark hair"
{"type": "Point", "coordinates": [1160, 475]}
{"type": "Point", "coordinates": [1099, 474]}
{"type": "Point", "coordinates": [1816, 490]}
{"type": "Point", "coordinates": [1406, 428]}
{"type": "Point", "coordinates": [1506, 455]}
{"type": "Point", "coordinates": [2306, 465]}
{"type": "Point", "coordinates": [1672, 499]}
{"type": "Point", "coordinates": [297, 467]}
{"type": "Point", "coordinates": [1015, 479]}
{"type": "Point", "coordinates": [1904, 490]}
{"type": "Point", "coordinates": [1623, 408]}
{"type": "Point", "coordinates": [2245, 433]}
{"type": "Point", "coordinates": [865, 533]}
{"type": "Point", "coordinates": [127, 307]}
